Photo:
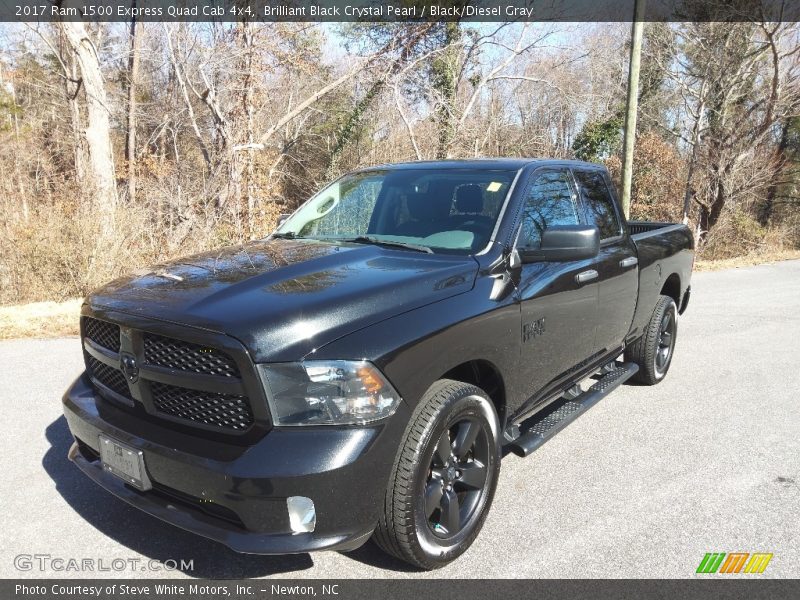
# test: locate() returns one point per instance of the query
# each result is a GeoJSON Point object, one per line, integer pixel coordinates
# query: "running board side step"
{"type": "Point", "coordinates": [542, 430]}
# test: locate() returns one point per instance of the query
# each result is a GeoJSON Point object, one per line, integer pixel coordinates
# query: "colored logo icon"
{"type": "Point", "coordinates": [734, 562]}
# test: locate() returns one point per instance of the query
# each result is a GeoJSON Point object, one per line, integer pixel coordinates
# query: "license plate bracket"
{"type": "Point", "coordinates": [124, 462]}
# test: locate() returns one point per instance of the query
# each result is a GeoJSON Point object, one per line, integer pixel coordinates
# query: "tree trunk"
{"type": "Point", "coordinates": [765, 212]}
{"type": "Point", "coordinates": [445, 83]}
{"type": "Point", "coordinates": [72, 87]}
{"type": "Point", "coordinates": [709, 215]}
{"type": "Point", "coordinates": [687, 197]}
{"type": "Point", "coordinates": [100, 173]}
{"type": "Point", "coordinates": [235, 125]}
{"type": "Point", "coordinates": [249, 113]}
{"type": "Point", "coordinates": [133, 73]}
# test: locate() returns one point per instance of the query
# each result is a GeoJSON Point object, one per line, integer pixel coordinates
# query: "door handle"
{"type": "Point", "coordinates": [585, 276]}
{"type": "Point", "coordinates": [628, 262]}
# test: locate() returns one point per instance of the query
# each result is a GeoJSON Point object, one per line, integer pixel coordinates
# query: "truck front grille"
{"type": "Point", "coordinates": [184, 356]}
{"type": "Point", "coordinates": [219, 410]}
{"type": "Point", "coordinates": [102, 333]}
{"type": "Point", "coordinates": [171, 377]}
{"type": "Point", "coordinates": [110, 377]}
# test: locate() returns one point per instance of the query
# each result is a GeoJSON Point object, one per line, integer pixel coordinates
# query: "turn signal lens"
{"type": "Point", "coordinates": [370, 378]}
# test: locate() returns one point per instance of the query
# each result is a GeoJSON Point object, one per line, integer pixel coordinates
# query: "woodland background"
{"type": "Point", "coordinates": [125, 144]}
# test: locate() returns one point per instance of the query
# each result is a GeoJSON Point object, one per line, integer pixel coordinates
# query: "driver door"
{"type": "Point", "coordinates": [558, 308]}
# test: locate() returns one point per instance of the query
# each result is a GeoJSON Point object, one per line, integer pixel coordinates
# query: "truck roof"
{"type": "Point", "coordinates": [484, 163]}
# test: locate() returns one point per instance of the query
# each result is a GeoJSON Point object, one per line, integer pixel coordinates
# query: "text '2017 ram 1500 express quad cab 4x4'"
{"type": "Point", "coordinates": [360, 371]}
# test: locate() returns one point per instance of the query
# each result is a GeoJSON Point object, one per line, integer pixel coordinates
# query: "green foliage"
{"type": "Point", "coordinates": [8, 110]}
{"type": "Point", "coordinates": [597, 140]}
{"type": "Point", "coordinates": [792, 143]}
{"type": "Point", "coordinates": [352, 127]}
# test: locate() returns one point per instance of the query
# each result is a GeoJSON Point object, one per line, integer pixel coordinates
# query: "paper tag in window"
{"type": "Point", "coordinates": [494, 186]}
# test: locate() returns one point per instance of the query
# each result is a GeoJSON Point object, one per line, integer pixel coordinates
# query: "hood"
{"type": "Point", "coordinates": [285, 298]}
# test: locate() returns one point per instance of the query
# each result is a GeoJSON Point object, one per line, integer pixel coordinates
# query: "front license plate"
{"type": "Point", "coordinates": [125, 462]}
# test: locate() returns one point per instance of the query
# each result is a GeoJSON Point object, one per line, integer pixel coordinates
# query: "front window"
{"type": "Point", "coordinates": [444, 210]}
{"type": "Point", "coordinates": [550, 201]}
{"type": "Point", "coordinates": [600, 206]}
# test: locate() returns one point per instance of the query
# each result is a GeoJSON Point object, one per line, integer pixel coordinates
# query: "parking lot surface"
{"type": "Point", "coordinates": [643, 485]}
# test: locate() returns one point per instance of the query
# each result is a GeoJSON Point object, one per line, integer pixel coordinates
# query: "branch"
{"type": "Point", "coordinates": [532, 80]}
{"type": "Point", "coordinates": [308, 102]}
{"type": "Point", "coordinates": [493, 74]}
{"type": "Point", "coordinates": [185, 93]}
{"type": "Point", "coordinates": [407, 124]}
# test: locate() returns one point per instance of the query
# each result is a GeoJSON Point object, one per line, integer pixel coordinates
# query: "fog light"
{"type": "Point", "coordinates": [302, 516]}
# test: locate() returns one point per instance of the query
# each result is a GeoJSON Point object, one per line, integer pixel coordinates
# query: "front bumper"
{"type": "Point", "coordinates": [236, 494]}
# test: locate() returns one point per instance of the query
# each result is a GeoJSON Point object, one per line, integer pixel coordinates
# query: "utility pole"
{"type": "Point", "coordinates": [133, 75]}
{"type": "Point", "coordinates": [632, 104]}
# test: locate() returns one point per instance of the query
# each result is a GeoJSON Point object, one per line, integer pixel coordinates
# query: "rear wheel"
{"type": "Point", "coordinates": [653, 351]}
{"type": "Point", "coordinates": [444, 478]}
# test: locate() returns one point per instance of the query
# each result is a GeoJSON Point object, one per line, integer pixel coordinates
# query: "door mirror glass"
{"type": "Point", "coordinates": [563, 243]}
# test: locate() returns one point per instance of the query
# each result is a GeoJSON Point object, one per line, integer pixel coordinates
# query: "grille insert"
{"type": "Point", "coordinates": [183, 399]}
{"type": "Point", "coordinates": [110, 377]}
{"type": "Point", "coordinates": [185, 356]}
{"type": "Point", "coordinates": [226, 411]}
{"type": "Point", "coordinates": [102, 333]}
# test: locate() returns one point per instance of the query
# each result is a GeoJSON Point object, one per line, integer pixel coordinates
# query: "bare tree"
{"type": "Point", "coordinates": [227, 125]}
{"type": "Point", "coordinates": [101, 174]}
{"type": "Point", "coordinates": [741, 83]}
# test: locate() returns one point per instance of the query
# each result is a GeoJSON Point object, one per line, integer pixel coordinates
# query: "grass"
{"type": "Point", "coordinates": [747, 260]}
{"type": "Point", "coordinates": [40, 319]}
{"type": "Point", "coordinates": [60, 319]}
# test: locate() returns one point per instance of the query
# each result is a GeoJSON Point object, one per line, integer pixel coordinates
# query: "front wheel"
{"type": "Point", "coordinates": [653, 351]}
{"type": "Point", "coordinates": [444, 478]}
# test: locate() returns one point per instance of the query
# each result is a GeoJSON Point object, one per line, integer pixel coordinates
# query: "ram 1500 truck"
{"type": "Point", "coordinates": [361, 371]}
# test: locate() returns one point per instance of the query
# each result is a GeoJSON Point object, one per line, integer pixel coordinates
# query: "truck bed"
{"type": "Point", "coordinates": [663, 249]}
{"type": "Point", "coordinates": [641, 229]}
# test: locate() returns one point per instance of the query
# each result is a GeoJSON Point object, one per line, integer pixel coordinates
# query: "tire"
{"type": "Point", "coordinates": [654, 350]}
{"type": "Point", "coordinates": [436, 504]}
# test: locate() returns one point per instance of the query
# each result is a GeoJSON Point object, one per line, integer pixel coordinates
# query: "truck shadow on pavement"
{"type": "Point", "coordinates": [147, 535]}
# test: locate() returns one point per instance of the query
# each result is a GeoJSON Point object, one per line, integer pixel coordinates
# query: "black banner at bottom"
{"type": "Point", "coordinates": [390, 589]}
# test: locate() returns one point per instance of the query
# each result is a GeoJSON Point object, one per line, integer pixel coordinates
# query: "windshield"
{"type": "Point", "coordinates": [444, 210]}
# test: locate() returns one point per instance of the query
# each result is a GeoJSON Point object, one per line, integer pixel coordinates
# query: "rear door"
{"type": "Point", "coordinates": [618, 277]}
{"type": "Point", "coordinates": [558, 310]}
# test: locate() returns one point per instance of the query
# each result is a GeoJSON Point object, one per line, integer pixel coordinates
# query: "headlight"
{"type": "Point", "coordinates": [329, 392]}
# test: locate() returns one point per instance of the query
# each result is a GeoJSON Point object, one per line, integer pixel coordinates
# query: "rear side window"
{"type": "Point", "coordinates": [600, 208]}
{"type": "Point", "coordinates": [550, 201]}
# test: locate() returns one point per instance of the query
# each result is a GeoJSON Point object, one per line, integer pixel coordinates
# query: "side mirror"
{"type": "Point", "coordinates": [282, 219]}
{"type": "Point", "coordinates": [565, 242]}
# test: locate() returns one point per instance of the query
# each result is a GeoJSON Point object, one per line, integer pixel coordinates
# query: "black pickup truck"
{"type": "Point", "coordinates": [362, 370]}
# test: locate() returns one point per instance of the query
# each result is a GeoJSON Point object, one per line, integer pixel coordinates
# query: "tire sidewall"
{"type": "Point", "coordinates": [667, 305]}
{"type": "Point", "coordinates": [471, 403]}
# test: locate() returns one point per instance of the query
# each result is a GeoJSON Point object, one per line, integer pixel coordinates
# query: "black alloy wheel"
{"type": "Point", "coordinates": [666, 340]}
{"type": "Point", "coordinates": [444, 477]}
{"type": "Point", "coordinates": [653, 351]}
{"type": "Point", "coordinates": [457, 477]}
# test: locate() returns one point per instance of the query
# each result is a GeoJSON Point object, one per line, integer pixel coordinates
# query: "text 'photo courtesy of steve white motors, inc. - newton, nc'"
{"type": "Point", "coordinates": [171, 590]}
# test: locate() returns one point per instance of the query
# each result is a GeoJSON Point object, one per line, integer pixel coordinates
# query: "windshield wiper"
{"type": "Point", "coordinates": [365, 239]}
{"type": "Point", "coordinates": [288, 235]}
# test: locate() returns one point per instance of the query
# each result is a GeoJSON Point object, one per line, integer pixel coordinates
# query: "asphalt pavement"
{"type": "Point", "coordinates": [643, 485]}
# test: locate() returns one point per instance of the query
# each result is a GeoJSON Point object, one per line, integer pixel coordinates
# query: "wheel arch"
{"type": "Point", "coordinates": [485, 375]}
{"type": "Point", "coordinates": [672, 288]}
